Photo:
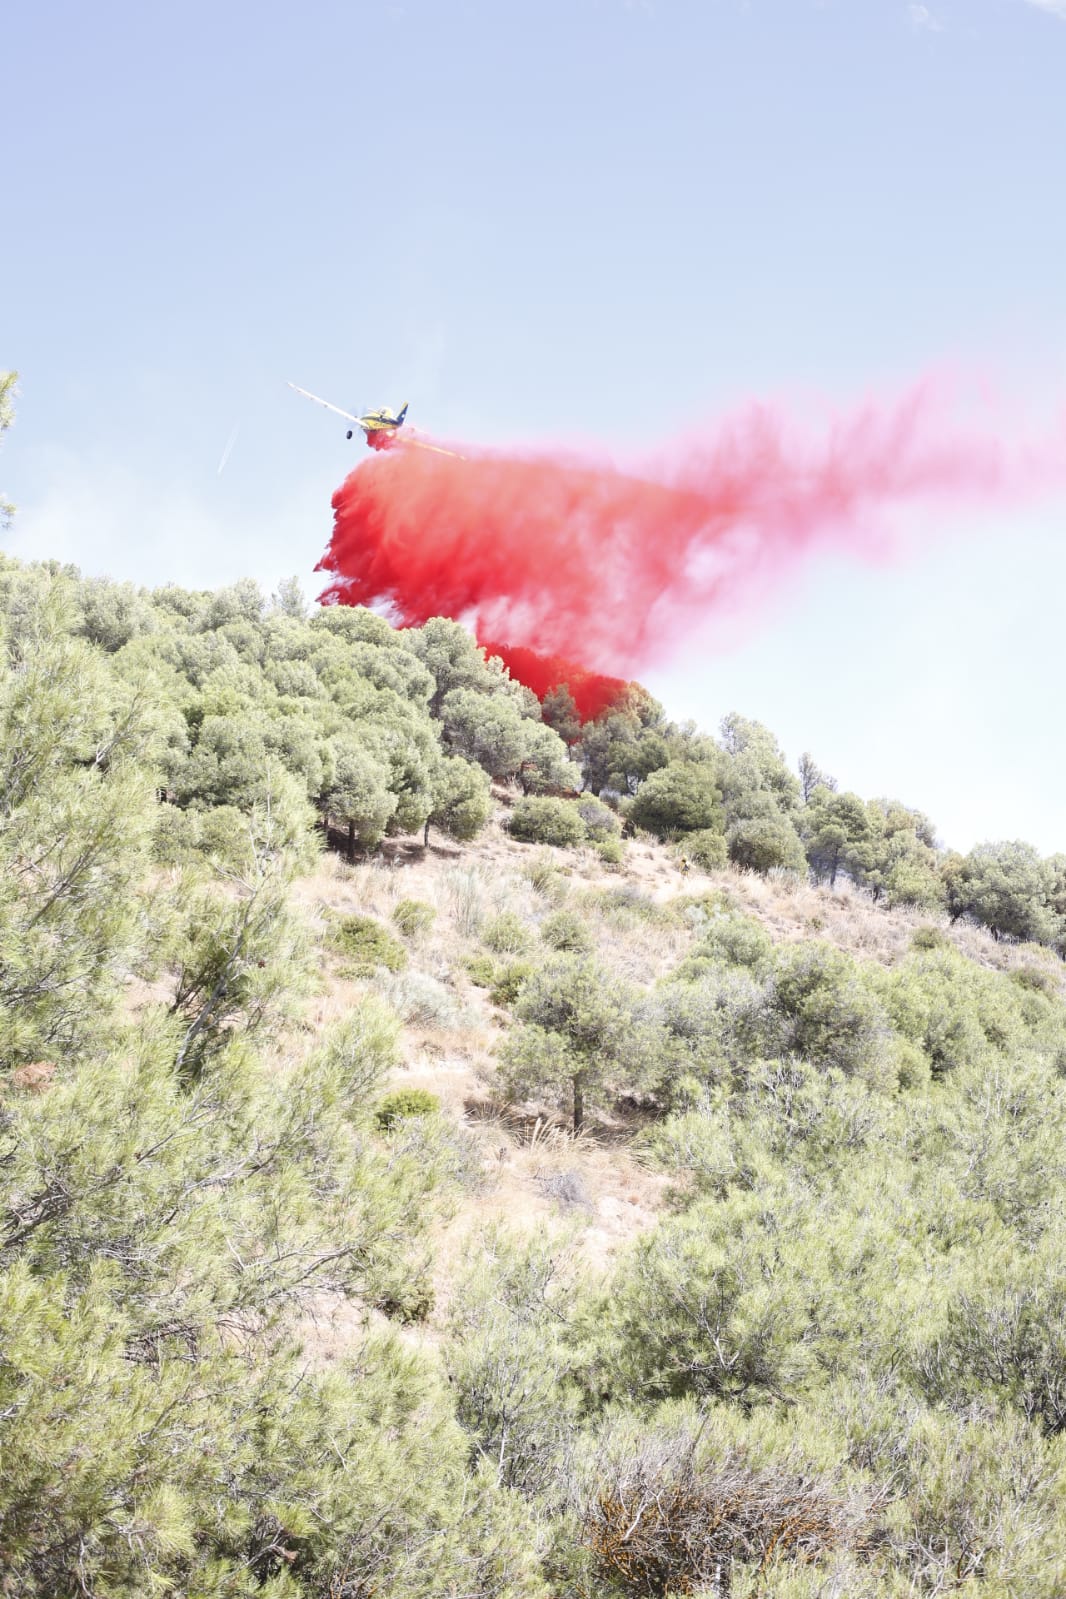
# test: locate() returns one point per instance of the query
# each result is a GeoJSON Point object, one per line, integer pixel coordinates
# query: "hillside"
{"type": "Point", "coordinates": [416, 1182]}
{"type": "Point", "coordinates": [642, 919]}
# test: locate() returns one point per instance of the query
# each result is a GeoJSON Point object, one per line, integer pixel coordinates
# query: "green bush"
{"type": "Point", "coordinates": [705, 848]}
{"type": "Point", "coordinates": [1036, 979]}
{"type": "Point", "coordinates": [409, 1301]}
{"type": "Point", "coordinates": [508, 982]}
{"type": "Point", "coordinates": [709, 1306]}
{"type": "Point", "coordinates": [929, 937]}
{"type": "Point", "coordinates": [509, 1364]}
{"type": "Point", "coordinates": [221, 835]}
{"type": "Point", "coordinates": [682, 797]}
{"type": "Point", "coordinates": [911, 1063]}
{"type": "Point", "coordinates": [822, 1009]}
{"type": "Point", "coordinates": [366, 945]}
{"type": "Point", "coordinates": [539, 820]}
{"type": "Point", "coordinates": [414, 916]}
{"type": "Point", "coordinates": [224, 836]}
{"type": "Point", "coordinates": [175, 836]}
{"type": "Point", "coordinates": [506, 934]}
{"type": "Point", "coordinates": [737, 940]}
{"type": "Point", "coordinates": [404, 1103]}
{"type": "Point", "coordinates": [1004, 1335]}
{"type": "Point", "coordinates": [481, 970]}
{"type": "Point", "coordinates": [961, 1014]}
{"type": "Point", "coordinates": [601, 824]}
{"type": "Point", "coordinates": [611, 851]}
{"type": "Point", "coordinates": [765, 844]}
{"type": "Point", "coordinates": [564, 930]}
{"type": "Point", "coordinates": [690, 1039]}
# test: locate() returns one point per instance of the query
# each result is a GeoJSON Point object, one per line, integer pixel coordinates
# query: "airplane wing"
{"type": "Point", "coordinates": [347, 415]}
{"type": "Point", "coordinates": [418, 441]}
{"type": "Point", "coordinates": [410, 442]}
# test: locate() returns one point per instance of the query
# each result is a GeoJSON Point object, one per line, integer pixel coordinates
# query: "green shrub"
{"type": "Point", "coordinates": [224, 836]}
{"type": "Point", "coordinates": [221, 834]}
{"type": "Point", "coordinates": [1036, 979]}
{"type": "Point", "coordinates": [508, 982]}
{"type": "Point", "coordinates": [481, 970]}
{"type": "Point", "coordinates": [539, 820]}
{"type": "Point", "coordinates": [1004, 1336]}
{"type": "Point", "coordinates": [960, 1014]}
{"type": "Point", "coordinates": [690, 1042]}
{"type": "Point", "coordinates": [611, 851]}
{"type": "Point", "coordinates": [509, 1364]}
{"type": "Point", "coordinates": [414, 916]}
{"type": "Point", "coordinates": [682, 797]}
{"type": "Point", "coordinates": [765, 844]}
{"type": "Point", "coordinates": [350, 1060]}
{"type": "Point", "coordinates": [736, 941]}
{"type": "Point", "coordinates": [564, 930]}
{"type": "Point", "coordinates": [625, 905]}
{"type": "Point", "coordinates": [403, 1103]}
{"type": "Point", "coordinates": [409, 1298]}
{"type": "Point", "coordinates": [366, 944]}
{"type": "Point", "coordinates": [822, 1009]}
{"type": "Point", "coordinates": [601, 824]}
{"type": "Point", "coordinates": [911, 1063]}
{"type": "Point", "coordinates": [506, 934]}
{"type": "Point", "coordinates": [705, 848]}
{"type": "Point", "coordinates": [687, 1093]}
{"type": "Point", "coordinates": [579, 1037]}
{"type": "Point", "coordinates": [929, 937]}
{"type": "Point", "coordinates": [706, 1306]}
{"type": "Point", "coordinates": [175, 836]}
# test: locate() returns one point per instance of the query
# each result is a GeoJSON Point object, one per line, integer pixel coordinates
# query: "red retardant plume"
{"type": "Point", "coordinates": [578, 559]}
{"type": "Point", "coordinates": [592, 692]}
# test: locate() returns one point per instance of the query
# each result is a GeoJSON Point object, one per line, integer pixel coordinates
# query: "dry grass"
{"type": "Point", "coordinates": [848, 918]}
{"type": "Point", "coordinates": [542, 1180]}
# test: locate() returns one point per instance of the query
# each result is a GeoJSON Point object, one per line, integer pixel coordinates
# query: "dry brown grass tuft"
{"type": "Point", "coordinates": [659, 1525]}
{"type": "Point", "coordinates": [34, 1077]}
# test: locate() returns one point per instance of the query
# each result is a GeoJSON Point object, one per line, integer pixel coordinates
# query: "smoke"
{"type": "Point", "coordinates": [582, 561]}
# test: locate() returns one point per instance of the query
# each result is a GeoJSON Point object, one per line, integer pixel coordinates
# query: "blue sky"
{"type": "Point", "coordinates": [595, 218]}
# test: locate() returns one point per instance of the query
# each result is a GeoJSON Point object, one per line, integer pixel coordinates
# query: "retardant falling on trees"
{"type": "Point", "coordinates": [553, 556]}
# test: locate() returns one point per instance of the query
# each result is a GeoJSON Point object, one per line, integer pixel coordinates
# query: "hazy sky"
{"type": "Point", "coordinates": [602, 219]}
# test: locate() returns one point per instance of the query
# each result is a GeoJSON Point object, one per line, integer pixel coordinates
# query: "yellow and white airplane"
{"type": "Point", "coordinates": [380, 428]}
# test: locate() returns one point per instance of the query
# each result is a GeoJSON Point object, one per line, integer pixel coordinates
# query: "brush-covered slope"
{"type": "Point", "coordinates": [493, 1216]}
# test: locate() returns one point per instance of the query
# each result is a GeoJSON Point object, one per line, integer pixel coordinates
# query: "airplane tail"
{"type": "Point", "coordinates": [401, 413]}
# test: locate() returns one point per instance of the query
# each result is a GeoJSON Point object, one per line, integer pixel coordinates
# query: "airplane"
{"type": "Point", "coordinates": [380, 428]}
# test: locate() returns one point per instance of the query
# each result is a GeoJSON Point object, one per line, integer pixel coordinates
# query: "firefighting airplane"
{"type": "Point", "coordinates": [380, 428]}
